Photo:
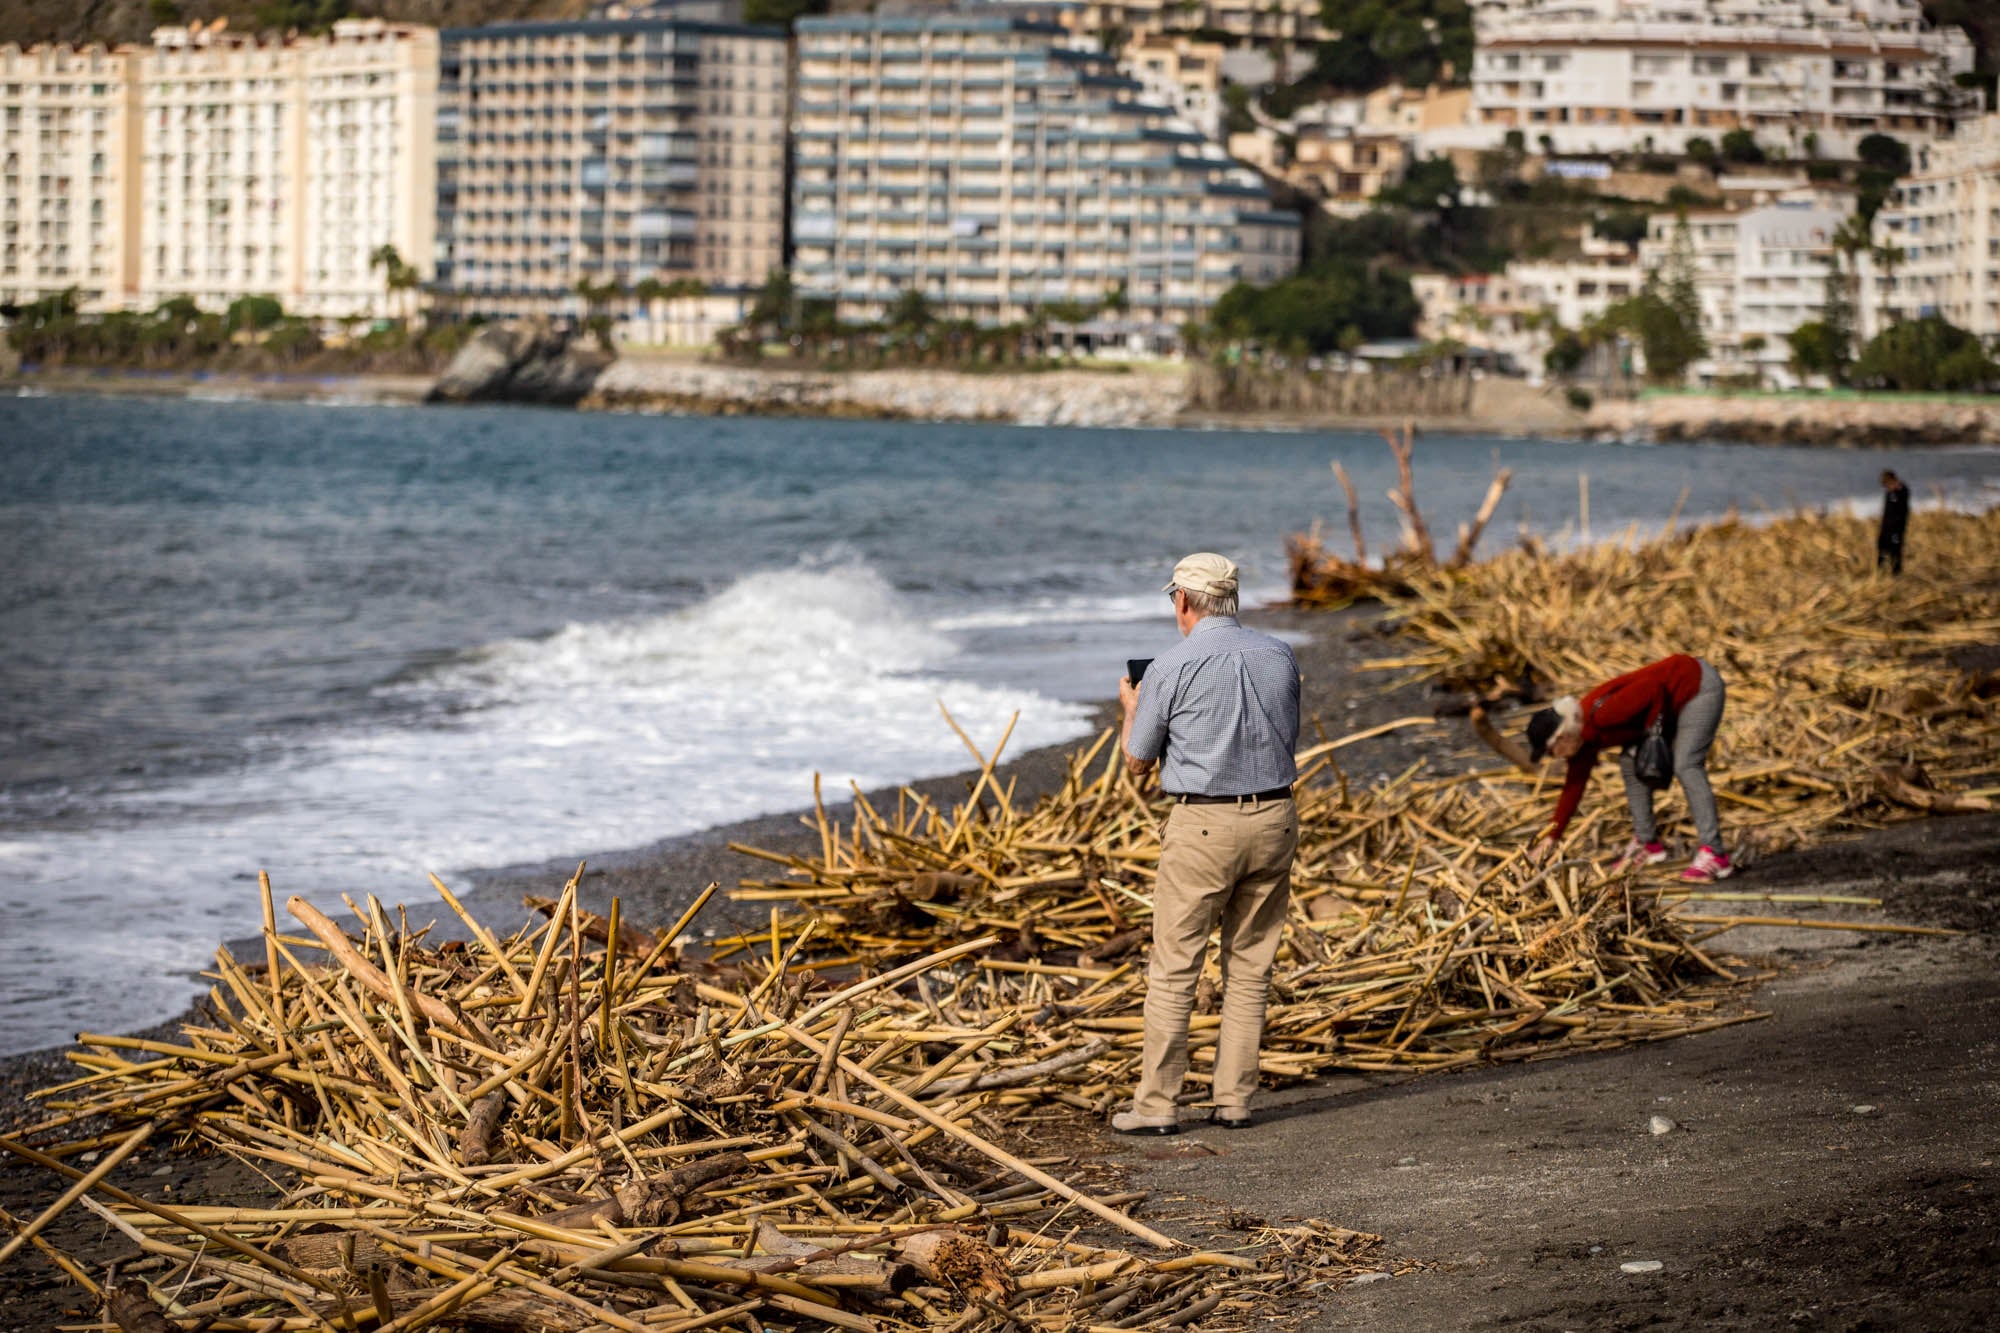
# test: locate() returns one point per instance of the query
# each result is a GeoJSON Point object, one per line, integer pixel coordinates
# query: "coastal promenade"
{"type": "Point", "coordinates": [1144, 394]}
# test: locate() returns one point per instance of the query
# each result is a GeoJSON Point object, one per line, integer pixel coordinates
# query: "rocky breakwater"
{"type": "Point", "coordinates": [1854, 422]}
{"type": "Point", "coordinates": [1050, 398]}
{"type": "Point", "coordinates": [530, 362]}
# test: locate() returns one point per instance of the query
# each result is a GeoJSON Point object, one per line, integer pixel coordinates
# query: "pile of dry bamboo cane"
{"type": "Point", "coordinates": [550, 1133]}
{"type": "Point", "coordinates": [576, 1127]}
{"type": "Point", "coordinates": [1844, 710]}
{"type": "Point", "coordinates": [1420, 937]}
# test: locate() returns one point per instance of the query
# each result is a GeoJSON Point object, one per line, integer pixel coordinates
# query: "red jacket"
{"type": "Point", "coordinates": [1618, 712]}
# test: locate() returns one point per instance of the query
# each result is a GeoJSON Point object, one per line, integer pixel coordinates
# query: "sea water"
{"type": "Point", "coordinates": [349, 645]}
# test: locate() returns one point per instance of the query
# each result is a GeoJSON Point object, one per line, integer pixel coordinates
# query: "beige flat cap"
{"type": "Point", "coordinates": [1206, 573]}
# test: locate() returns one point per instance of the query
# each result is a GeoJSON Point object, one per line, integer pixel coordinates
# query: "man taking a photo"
{"type": "Point", "coordinates": [1218, 714]}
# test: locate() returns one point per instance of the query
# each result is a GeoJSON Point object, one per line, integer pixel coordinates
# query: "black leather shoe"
{"type": "Point", "coordinates": [1243, 1121]}
{"type": "Point", "coordinates": [1127, 1123]}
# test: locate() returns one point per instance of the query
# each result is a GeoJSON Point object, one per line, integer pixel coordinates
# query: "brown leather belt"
{"type": "Point", "coordinates": [1275, 794]}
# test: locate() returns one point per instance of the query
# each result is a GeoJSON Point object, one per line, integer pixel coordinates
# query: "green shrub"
{"type": "Point", "coordinates": [1928, 354]}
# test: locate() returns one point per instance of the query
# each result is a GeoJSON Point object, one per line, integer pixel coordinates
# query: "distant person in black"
{"type": "Point", "coordinates": [1895, 518]}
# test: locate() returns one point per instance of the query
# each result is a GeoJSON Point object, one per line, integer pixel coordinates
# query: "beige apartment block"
{"type": "Point", "coordinates": [1517, 313]}
{"type": "Point", "coordinates": [69, 174]}
{"type": "Point", "coordinates": [1939, 238]}
{"type": "Point", "coordinates": [1182, 73]}
{"type": "Point", "coordinates": [1346, 168]}
{"type": "Point", "coordinates": [1484, 311]}
{"type": "Point", "coordinates": [1416, 111]}
{"type": "Point", "coordinates": [610, 152]}
{"type": "Point", "coordinates": [279, 166]}
{"type": "Point", "coordinates": [1804, 76]}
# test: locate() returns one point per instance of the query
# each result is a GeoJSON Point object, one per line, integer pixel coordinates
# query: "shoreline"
{"type": "Point", "coordinates": [657, 880]}
{"type": "Point", "coordinates": [1108, 400]}
{"type": "Point", "coordinates": [371, 390]}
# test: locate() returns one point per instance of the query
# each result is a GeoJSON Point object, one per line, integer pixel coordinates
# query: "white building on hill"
{"type": "Point", "coordinates": [1760, 273]}
{"type": "Point", "coordinates": [1594, 76]}
{"type": "Point", "coordinates": [1942, 229]}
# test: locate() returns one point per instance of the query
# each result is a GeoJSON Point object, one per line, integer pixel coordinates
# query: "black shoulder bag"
{"type": "Point", "coordinates": [1653, 756]}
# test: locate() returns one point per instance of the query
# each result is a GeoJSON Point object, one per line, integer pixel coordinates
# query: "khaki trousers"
{"type": "Point", "coordinates": [1226, 866]}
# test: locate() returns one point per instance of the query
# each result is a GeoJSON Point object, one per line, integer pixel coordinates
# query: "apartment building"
{"type": "Point", "coordinates": [1180, 72]}
{"type": "Point", "coordinates": [1807, 76]}
{"type": "Point", "coordinates": [1288, 21]}
{"type": "Point", "coordinates": [1940, 233]}
{"type": "Point", "coordinates": [608, 151]}
{"type": "Point", "coordinates": [1484, 311]}
{"type": "Point", "coordinates": [1346, 168]}
{"type": "Point", "coordinates": [1760, 273]}
{"type": "Point", "coordinates": [1516, 313]}
{"type": "Point", "coordinates": [986, 163]}
{"type": "Point", "coordinates": [279, 166]}
{"type": "Point", "coordinates": [68, 174]}
{"type": "Point", "coordinates": [1579, 289]}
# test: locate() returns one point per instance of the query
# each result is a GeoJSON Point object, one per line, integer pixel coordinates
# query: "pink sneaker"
{"type": "Point", "coordinates": [1708, 866]}
{"type": "Point", "coordinates": [1639, 854]}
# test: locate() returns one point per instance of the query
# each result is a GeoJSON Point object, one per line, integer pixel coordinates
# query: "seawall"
{"type": "Point", "coordinates": [1841, 421]}
{"type": "Point", "coordinates": [1147, 396]}
{"type": "Point", "coordinates": [1050, 398]}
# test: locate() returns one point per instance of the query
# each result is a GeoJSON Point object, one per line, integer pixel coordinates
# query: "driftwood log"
{"type": "Point", "coordinates": [1320, 578]}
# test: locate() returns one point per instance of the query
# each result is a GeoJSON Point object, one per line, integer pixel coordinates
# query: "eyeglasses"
{"type": "Point", "coordinates": [1173, 593]}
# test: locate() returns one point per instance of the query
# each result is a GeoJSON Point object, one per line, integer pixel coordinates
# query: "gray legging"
{"type": "Point", "coordinates": [1694, 732]}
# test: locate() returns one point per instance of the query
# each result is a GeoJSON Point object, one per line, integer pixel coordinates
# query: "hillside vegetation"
{"type": "Point", "coordinates": [1418, 41]}
{"type": "Point", "coordinates": [76, 21]}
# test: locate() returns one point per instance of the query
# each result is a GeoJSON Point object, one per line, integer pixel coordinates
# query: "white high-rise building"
{"type": "Point", "coordinates": [68, 174]}
{"type": "Point", "coordinates": [994, 167]}
{"type": "Point", "coordinates": [279, 167]}
{"type": "Point", "coordinates": [216, 165]}
{"type": "Point", "coordinates": [1760, 274]}
{"type": "Point", "coordinates": [1593, 76]}
{"type": "Point", "coordinates": [1940, 232]}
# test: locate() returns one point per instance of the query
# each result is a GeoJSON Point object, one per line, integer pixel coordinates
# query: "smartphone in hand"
{"type": "Point", "coordinates": [1135, 668]}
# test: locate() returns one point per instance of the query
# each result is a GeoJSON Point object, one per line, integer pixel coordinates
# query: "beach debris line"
{"type": "Point", "coordinates": [1322, 579]}
{"type": "Point", "coordinates": [547, 1131]}
{"type": "Point", "coordinates": [1418, 940]}
{"type": "Point", "coordinates": [1845, 710]}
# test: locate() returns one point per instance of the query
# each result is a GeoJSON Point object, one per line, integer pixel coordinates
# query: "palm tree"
{"type": "Point", "coordinates": [597, 299]}
{"type": "Point", "coordinates": [396, 275]}
{"type": "Point", "coordinates": [1889, 258]}
{"type": "Point", "coordinates": [910, 312]}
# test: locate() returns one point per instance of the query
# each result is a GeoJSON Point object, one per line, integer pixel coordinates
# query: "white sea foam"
{"type": "Point", "coordinates": [597, 737]}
